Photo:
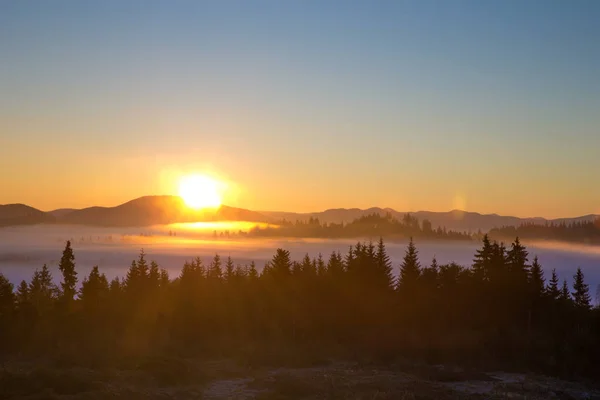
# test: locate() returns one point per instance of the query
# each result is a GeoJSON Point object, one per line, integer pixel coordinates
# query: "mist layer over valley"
{"type": "Point", "coordinates": [25, 248]}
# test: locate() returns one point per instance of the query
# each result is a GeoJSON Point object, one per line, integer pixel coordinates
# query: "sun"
{"type": "Point", "coordinates": [199, 191]}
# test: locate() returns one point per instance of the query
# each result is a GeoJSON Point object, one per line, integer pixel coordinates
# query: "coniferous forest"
{"type": "Point", "coordinates": [503, 311]}
{"type": "Point", "coordinates": [371, 225]}
{"type": "Point", "coordinates": [576, 231]}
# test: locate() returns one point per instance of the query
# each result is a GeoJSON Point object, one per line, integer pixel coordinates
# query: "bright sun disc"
{"type": "Point", "coordinates": [199, 192]}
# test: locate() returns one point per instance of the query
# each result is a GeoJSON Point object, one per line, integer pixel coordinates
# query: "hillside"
{"type": "Point", "coordinates": [155, 210]}
{"type": "Point", "coordinates": [21, 214]}
{"type": "Point", "coordinates": [61, 212]}
{"type": "Point", "coordinates": [457, 220]}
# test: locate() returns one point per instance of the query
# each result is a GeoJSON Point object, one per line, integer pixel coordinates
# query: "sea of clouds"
{"type": "Point", "coordinates": [25, 248]}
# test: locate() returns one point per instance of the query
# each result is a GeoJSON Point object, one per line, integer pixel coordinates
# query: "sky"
{"type": "Point", "coordinates": [488, 106]}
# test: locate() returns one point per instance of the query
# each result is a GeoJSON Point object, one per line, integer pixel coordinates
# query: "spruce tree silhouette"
{"type": "Point", "coordinates": [553, 290]}
{"type": "Point", "coordinates": [482, 260]}
{"type": "Point", "coordinates": [581, 291]}
{"type": "Point", "coordinates": [67, 268]}
{"type": "Point", "coordinates": [410, 270]}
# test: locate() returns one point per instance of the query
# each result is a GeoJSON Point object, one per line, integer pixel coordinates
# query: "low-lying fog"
{"type": "Point", "coordinates": [25, 248]}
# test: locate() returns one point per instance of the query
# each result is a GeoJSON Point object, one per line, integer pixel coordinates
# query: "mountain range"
{"type": "Point", "coordinates": [144, 211]}
{"type": "Point", "coordinates": [158, 210]}
{"type": "Point", "coordinates": [457, 220]}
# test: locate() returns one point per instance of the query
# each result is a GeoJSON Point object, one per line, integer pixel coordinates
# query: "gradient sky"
{"type": "Point", "coordinates": [489, 106]}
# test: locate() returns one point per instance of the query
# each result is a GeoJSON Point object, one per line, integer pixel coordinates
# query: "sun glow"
{"type": "Point", "coordinates": [199, 191]}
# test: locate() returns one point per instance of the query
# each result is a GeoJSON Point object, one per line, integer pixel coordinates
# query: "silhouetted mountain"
{"type": "Point", "coordinates": [457, 220]}
{"type": "Point", "coordinates": [156, 210]}
{"type": "Point", "coordinates": [61, 212]}
{"type": "Point", "coordinates": [21, 214]}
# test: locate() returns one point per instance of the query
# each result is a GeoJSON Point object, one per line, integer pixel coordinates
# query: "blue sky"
{"type": "Point", "coordinates": [486, 105]}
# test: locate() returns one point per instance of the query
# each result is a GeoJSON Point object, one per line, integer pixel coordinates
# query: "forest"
{"type": "Point", "coordinates": [500, 312]}
{"type": "Point", "coordinates": [372, 225]}
{"type": "Point", "coordinates": [587, 232]}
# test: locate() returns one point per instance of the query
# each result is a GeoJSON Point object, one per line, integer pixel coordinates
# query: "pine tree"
{"type": "Point", "coordinates": [553, 290]}
{"type": "Point", "coordinates": [229, 270]}
{"type": "Point", "coordinates": [349, 260]}
{"type": "Point", "coordinates": [115, 287]}
{"type": "Point", "coordinates": [581, 291]}
{"type": "Point", "coordinates": [7, 312]}
{"type": "Point", "coordinates": [429, 275]}
{"type": "Point", "coordinates": [536, 278]}
{"type": "Point", "coordinates": [240, 272]}
{"type": "Point", "coordinates": [42, 291]}
{"type": "Point", "coordinates": [497, 268]}
{"type": "Point", "coordinates": [22, 296]}
{"type": "Point", "coordinates": [306, 267]}
{"type": "Point", "coordinates": [132, 279]}
{"type": "Point", "coordinates": [369, 250]}
{"type": "Point", "coordinates": [266, 271]}
{"type": "Point", "coordinates": [335, 265]}
{"type": "Point", "coordinates": [321, 267]}
{"type": "Point", "coordinates": [434, 265]}
{"type": "Point", "coordinates": [202, 270]}
{"type": "Point", "coordinates": [410, 269]}
{"type": "Point", "coordinates": [252, 272]}
{"type": "Point", "coordinates": [94, 290]}
{"type": "Point", "coordinates": [564, 293]}
{"type": "Point", "coordinates": [214, 270]}
{"type": "Point", "coordinates": [154, 275]}
{"type": "Point", "coordinates": [482, 260]}
{"type": "Point", "coordinates": [516, 258]}
{"type": "Point", "coordinates": [142, 266]}
{"type": "Point", "coordinates": [67, 268]}
{"type": "Point", "coordinates": [7, 298]}
{"type": "Point", "coordinates": [384, 265]}
{"type": "Point", "coordinates": [280, 266]}
{"type": "Point", "coordinates": [163, 280]}
{"type": "Point", "coordinates": [296, 268]}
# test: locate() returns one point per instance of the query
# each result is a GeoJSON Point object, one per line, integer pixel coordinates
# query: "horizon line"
{"type": "Point", "coordinates": [315, 212]}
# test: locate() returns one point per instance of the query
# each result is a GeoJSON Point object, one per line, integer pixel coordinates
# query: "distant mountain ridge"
{"type": "Point", "coordinates": [156, 210]}
{"type": "Point", "coordinates": [21, 214]}
{"type": "Point", "coordinates": [457, 220]}
{"type": "Point", "coordinates": [144, 211]}
{"type": "Point", "coordinates": [159, 210]}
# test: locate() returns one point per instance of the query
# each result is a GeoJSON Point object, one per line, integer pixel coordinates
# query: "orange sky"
{"type": "Point", "coordinates": [301, 106]}
{"type": "Point", "coordinates": [78, 180]}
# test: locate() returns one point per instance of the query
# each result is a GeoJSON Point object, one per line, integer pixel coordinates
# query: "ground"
{"type": "Point", "coordinates": [161, 378]}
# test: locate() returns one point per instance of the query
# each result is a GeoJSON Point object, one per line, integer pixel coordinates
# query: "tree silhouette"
{"type": "Point", "coordinates": [410, 270]}
{"type": "Point", "coordinates": [536, 279]}
{"type": "Point", "coordinates": [384, 266]}
{"type": "Point", "coordinates": [516, 259]}
{"type": "Point", "coordinates": [22, 295]}
{"type": "Point", "coordinates": [581, 291]}
{"type": "Point", "coordinates": [281, 264]}
{"type": "Point", "coordinates": [94, 291]}
{"type": "Point", "coordinates": [553, 289]}
{"type": "Point", "coordinates": [252, 272]}
{"type": "Point", "coordinates": [229, 270]}
{"type": "Point", "coordinates": [496, 312]}
{"type": "Point", "coordinates": [67, 268]}
{"type": "Point", "coordinates": [565, 296]}
{"type": "Point", "coordinates": [215, 271]}
{"type": "Point", "coordinates": [482, 260]}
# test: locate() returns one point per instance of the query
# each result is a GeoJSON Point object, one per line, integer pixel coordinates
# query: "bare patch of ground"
{"type": "Point", "coordinates": [164, 378]}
